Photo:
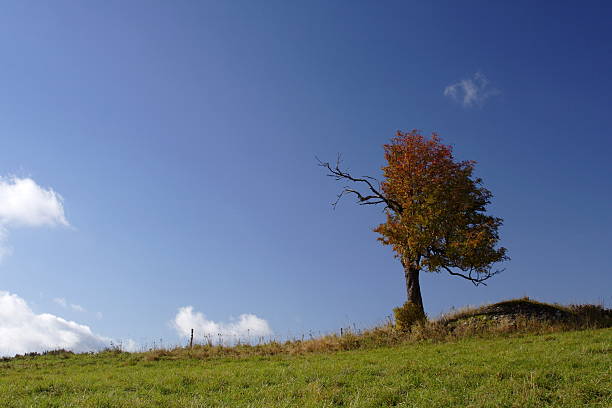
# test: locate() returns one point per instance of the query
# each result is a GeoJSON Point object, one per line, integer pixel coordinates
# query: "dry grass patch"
{"type": "Point", "coordinates": [512, 317]}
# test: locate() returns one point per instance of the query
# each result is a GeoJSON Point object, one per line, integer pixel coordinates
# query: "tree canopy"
{"type": "Point", "coordinates": [435, 210]}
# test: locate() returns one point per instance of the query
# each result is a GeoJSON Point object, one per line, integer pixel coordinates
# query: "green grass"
{"type": "Point", "coordinates": [568, 369]}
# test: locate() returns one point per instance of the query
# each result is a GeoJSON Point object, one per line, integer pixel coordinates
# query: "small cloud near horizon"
{"type": "Point", "coordinates": [471, 91]}
{"type": "Point", "coordinates": [246, 327]}
{"type": "Point", "coordinates": [23, 331]}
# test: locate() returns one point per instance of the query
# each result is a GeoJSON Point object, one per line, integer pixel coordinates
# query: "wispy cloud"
{"type": "Point", "coordinates": [471, 91]}
{"type": "Point", "coordinates": [63, 303]}
{"type": "Point", "coordinates": [23, 203]}
{"type": "Point", "coordinates": [77, 308]}
{"type": "Point", "coordinates": [245, 327]}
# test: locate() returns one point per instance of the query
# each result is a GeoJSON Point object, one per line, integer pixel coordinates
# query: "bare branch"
{"type": "Point", "coordinates": [478, 280]}
{"type": "Point", "coordinates": [372, 202]}
{"type": "Point", "coordinates": [376, 196]}
{"type": "Point", "coordinates": [371, 178]}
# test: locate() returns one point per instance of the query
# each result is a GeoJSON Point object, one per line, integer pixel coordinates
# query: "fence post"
{"type": "Point", "coordinates": [191, 339]}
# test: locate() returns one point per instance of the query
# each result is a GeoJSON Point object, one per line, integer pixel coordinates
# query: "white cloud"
{"type": "Point", "coordinates": [247, 326]}
{"type": "Point", "coordinates": [129, 345]}
{"type": "Point", "coordinates": [23, 331]}
{"type": "Point", "coordinates": [23, 203]}
{"type": "Point", "coordinates": [77, 308]}
{"type": "Point", "coordinates": [63, 303]}
{"type": "Point", "coordinates": [471, 91]}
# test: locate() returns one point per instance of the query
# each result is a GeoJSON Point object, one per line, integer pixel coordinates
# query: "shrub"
{"type": "Point", "coordinates": [407, 315]}
{"type": "Point", "coordinates": [592, 316]}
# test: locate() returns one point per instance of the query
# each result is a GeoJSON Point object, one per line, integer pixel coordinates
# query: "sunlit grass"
{"type": "Point", "coordinates": [565, 369]}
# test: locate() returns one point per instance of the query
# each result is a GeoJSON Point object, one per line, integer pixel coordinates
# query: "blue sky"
{"type": "Point", "coordinates": [181, 137]}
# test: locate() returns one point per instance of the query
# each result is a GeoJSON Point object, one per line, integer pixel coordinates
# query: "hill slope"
{"type": "Point", "coordinates": [562, 370]}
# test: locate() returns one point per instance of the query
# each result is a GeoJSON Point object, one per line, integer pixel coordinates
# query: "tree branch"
{"type": "Point", "coordinates": [479, 280]}
{"type": "Point", "coordinates": [374, 198]}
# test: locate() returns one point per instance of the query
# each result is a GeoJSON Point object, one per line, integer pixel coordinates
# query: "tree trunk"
{"type": "Point", "coordinates": [413, 287]}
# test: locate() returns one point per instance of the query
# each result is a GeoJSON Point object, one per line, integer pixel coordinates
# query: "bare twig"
{"type": "Point", "coordinates": [478, 280]}
{"type": "Point", "coordinates": [374, 197]}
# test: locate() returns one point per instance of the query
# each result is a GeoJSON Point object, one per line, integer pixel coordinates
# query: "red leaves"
{"type": "Point", "coordinates": [443, 223]}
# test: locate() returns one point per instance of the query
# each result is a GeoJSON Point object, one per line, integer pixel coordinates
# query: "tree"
{"type": "Point", "coordinates": [435, 211]}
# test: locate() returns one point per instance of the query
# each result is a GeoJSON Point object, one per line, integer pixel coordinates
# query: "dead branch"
{"type": "Point", "coordinates": [478, 280]}
{"type": "Point", "coordinates": [373, 198]}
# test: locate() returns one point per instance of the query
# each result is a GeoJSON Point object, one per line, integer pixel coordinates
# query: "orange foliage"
{"type": "Point", "coordinates": [440, 222]}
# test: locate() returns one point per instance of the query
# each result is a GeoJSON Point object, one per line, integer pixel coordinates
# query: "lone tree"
{"type": "Point", "coordinates": [435, 211]}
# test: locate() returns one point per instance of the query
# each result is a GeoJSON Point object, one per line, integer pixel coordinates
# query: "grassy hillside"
{"type": "Point", "coordinates": [566, 369]}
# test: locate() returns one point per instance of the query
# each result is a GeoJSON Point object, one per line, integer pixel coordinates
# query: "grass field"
{"type": "Point", "coordinates": [569, 369]}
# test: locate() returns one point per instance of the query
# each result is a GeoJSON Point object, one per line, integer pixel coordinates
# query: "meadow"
{"type": "Point", "coordinates": [556, 369]}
